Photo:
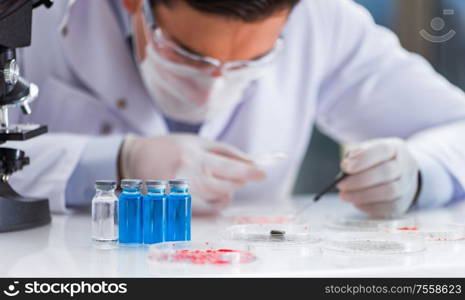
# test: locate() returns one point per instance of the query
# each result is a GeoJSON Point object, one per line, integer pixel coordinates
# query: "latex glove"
{"type": "Point", "coordinates": [214, 170]}
{"type": "Point", "coordinates": [384, 177]}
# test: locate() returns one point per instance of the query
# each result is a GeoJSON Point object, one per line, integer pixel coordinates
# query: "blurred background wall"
{"type": "Point", "coordinates": [407, 18]}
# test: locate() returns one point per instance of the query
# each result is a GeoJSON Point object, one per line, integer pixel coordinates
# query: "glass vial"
{"type": "Point", "coordinates": [130, 212]}
{"type": "Point", "coordinates": [105, 213]}
{"type": "Point", "coordinates": [154, 212]}
{"type": "Point", "coordinates": [179, 211]}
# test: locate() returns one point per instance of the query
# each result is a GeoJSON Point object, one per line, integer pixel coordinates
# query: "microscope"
{"type": "Point", "coordinates": [17, 212]}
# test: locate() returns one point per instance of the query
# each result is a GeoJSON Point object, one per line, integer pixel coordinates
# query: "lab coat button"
{"type": "Point", "coordinates": [106, 128]}
{"type": "Point", "coordinates": [64, 31]}
{"type": "Point", "coordinates": [122, 103]}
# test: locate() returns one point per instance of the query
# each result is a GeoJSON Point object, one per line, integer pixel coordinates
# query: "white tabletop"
{"type": "Point", "coordinates": [64, 249]}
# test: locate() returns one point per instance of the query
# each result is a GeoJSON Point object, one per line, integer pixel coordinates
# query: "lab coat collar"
{"type": "Point", "coordinates": [215, 128]}
{"type": "Point", "coordinates": [101, 58]}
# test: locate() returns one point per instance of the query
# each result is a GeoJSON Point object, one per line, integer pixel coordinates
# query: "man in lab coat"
{"type": "Point", "coordinates": [195, 89]}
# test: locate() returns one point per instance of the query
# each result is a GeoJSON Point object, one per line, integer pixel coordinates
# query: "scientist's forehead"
{"type": "Point", "coordinates": [219, 36]}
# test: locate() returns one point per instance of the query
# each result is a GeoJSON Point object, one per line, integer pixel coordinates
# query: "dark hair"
{"type": "Point", "coordinates": [245, 10]}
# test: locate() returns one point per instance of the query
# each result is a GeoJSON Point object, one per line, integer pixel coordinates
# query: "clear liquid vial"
{"type": "Point", "coordinates": [105, 213]}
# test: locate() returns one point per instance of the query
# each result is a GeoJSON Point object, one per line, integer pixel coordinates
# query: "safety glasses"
{"type": "Point", "coordinates": [172, 51]}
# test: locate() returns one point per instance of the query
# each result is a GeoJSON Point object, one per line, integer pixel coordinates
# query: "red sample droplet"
{"type": "Point", "coordinates": [408, 228]}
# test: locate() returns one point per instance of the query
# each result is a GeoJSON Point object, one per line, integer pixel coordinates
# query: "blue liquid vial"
{"type": "Point", "coordinates": [179, 211]}
{"type": "Point", "coordinates": [130, 212]}
{"type": "Point", "coordinates": [154, 212]}
{"type": "Point", "coordinates": [105, 213]}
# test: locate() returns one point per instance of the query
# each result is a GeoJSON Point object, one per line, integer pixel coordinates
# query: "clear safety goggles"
{"type": "Point", "coordinates": [172, 51]}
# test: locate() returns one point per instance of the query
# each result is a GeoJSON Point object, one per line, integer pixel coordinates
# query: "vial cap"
{"type": "Point", "coordinates": [105, 185]}
{"type": "Point", "coordinates": [131, 183]}
{"type": "Point", "coordinates": [179, 183]}
{"type": "Point", "coordinates": [156, 184]}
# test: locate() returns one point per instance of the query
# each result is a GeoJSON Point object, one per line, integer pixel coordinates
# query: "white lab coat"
{"type": "Point", "coordinates": [338, 69]}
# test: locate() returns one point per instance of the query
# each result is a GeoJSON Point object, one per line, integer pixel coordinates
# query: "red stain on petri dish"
{"type": "Point", "coordinates": [440, 239]}
{"type": "Point", "coordinates": [259, 220]}
{"type": "Point", "coordinates": [408, 228]}
{"type": "Point", "coordinates": [208, 257]}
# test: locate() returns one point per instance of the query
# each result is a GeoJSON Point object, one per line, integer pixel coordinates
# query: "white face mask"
{"type": "Point", "coordinates": [188, 95]}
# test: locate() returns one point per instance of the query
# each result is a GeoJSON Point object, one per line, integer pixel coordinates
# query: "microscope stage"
{"type": "Point", "coordinates": [21, 132]}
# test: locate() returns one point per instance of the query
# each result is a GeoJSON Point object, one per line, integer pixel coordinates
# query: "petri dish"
{"type": "Point", "coordinates": [363, 223]}
{"type": "Point", "coordinates": [259, 215]}
{"type": "Point", "coordinates": [373, 243]}
{"type": "Point", "coordinates": [272, 234]}
{"type": "Point", "coordinates": [435, 232]}
{"type": "Point", "coordinates": [363, 260]}
{"type": "Point", "coordinates": [199, 254]}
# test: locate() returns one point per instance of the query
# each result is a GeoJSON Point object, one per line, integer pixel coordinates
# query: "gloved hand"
{"type": "Point", "coordinates": [384, 177]}
{"type": "Point", "coordinates": [214, 170]}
